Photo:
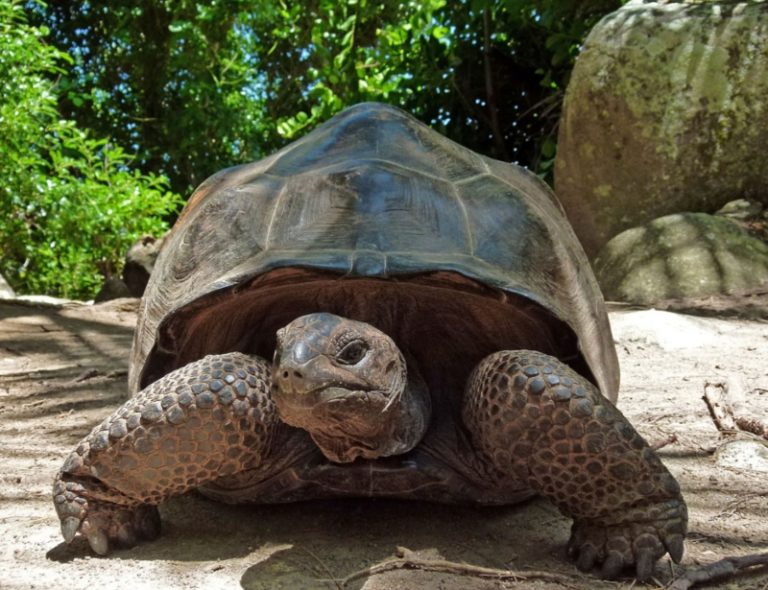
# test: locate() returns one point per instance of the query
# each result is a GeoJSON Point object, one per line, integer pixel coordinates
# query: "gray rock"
{"type": "Point", "coordinates": [749, 455]}
{"type": "Point", "coordinates": [139, 263]}
{"type": "Point", "coordinates": [113, 288]}
{"type": "Point", "coordinates": [741, 209]}
{"type": "Point", "coordinates": [681, 255]}
{"type": "Point", "coordinates": [6, 292]}
{"type": "Point", "coordinates": [665, 112]}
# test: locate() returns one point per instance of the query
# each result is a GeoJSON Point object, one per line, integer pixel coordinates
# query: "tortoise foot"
{"type": "Point", "coordinates": [533, 418]}
{"type": "Point", "coordinates": [206, 420]}
{"type": "Point", "coordinates": [636, 544]}
{"type": "Point", "coordinates": [104, 524]}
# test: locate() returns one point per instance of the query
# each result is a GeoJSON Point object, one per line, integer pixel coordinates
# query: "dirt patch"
{"type": "Point", "coordinates": [63, 369]}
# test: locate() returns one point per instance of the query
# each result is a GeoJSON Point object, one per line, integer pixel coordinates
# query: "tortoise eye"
{"type": "Point", "coordinates": [352, 353]}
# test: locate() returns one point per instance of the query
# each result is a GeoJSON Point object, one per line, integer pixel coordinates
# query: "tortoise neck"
{"type": "Point", "coordinates": [395, 430]}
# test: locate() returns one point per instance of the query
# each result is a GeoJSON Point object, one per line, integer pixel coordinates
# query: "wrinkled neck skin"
{"type": "Point", "coordinates": [346, 431]}
{"type": "Point", "coordinates": [347, 384]}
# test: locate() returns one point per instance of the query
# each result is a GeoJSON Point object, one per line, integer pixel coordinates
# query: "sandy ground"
{"type": "Point", "coordinates": [62, 369]}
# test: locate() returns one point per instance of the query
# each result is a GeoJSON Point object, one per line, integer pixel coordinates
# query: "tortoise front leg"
{"type": "Point", "coordinates": [210, 418]}
{"type": "Point", "coordinates": [535, 419]}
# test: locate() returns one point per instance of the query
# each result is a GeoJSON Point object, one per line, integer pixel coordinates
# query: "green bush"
{"type": "Point", "coordinates": [70, 205]}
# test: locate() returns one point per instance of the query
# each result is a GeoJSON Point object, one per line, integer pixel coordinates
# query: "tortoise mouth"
{"type": "Point", "coordinates": [443, 321]}
{"type": "Point", "coordinates": [331, 395]}
{"type": "Point", "coordinates": [355, 412]}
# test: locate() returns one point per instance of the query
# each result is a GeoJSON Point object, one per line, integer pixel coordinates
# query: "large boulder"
{"type": "Point", "coordinates": [684, 255]}
{"type": "Point", "coordinates": [665, 112]}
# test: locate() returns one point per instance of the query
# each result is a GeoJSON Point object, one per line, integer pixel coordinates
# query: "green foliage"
{"type": "Point", "coordinates": [198, 86]}
{"type": "Point", "coordinates": [192, 87]}
{"type": "Point", "coordinates": [70, 205]}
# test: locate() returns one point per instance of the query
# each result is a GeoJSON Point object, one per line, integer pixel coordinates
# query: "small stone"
{"type": "Point", "coordinates": [744, 455]}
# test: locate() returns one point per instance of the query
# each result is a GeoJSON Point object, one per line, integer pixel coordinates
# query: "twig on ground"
{"type": "Point", "coordinates": [725, 568]}
{"type": "Point", "coordinates": [407, 559]}
{"type": "Point", "coordinates": [86, 375]}
{"type": "Point", "coordinates": [722, 413]}
{"type": "Point", "coordinates": [660, 444]}
{"type": "Point", "coordinates": [715, 396]}
{"type": "Point", "coordinates": [752, 425]}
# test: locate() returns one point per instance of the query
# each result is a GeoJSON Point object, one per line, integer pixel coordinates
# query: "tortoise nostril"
{"type": "Point", "coordinates": [285, 374]}
{"type": "Point", "coordinates": [298, 375]}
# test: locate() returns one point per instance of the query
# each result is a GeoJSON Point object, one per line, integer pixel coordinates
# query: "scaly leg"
{"type": "Point", "coordinates": [211, 418]}
{"type": "Point", "coordinates": [535, 419]}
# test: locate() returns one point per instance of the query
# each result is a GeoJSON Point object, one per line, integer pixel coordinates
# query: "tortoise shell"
{"type": "Point", "coordinates": [376, 217]}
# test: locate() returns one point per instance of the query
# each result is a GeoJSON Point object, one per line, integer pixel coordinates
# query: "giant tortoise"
{"type": "Point", "coordinates": [435, 333]}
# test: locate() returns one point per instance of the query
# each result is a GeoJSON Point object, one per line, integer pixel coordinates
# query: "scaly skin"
{"type": "Point", "coordinates": [535, 419]}
{"type": "Point", "coordinates": [209, 419]}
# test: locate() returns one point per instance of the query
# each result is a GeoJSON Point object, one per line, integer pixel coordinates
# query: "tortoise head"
{"type": "Point", "coordinates": [346, 383]}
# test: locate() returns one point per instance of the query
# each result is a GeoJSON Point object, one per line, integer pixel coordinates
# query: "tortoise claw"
{"type": "Point", "coordinates": [104, 524]}
{"type": "Point", "coordinates": [69, 527]}
{"type": "Point", "coordinates": [126, 536]}
{"type": "Point", "coordinates": [148, 523]}
{"type": "Point", "coordinates": [612, 566]}
{"type": "Point", "coordinates": [98, 541]}
{"type": "Point", "coordinates": [587, 557]}
{"type": "Point", "coordinates": [631, 544]}
{"type": "Point", "coordinates": [645, 562]}
{"type": "Point", "coordinates": [674, 544]}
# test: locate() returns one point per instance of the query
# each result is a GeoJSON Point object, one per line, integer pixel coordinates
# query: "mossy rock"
{"type": "Point", "coordinates": [665, 112]}
{"type": "Point", "coordinates": [681, 255]}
